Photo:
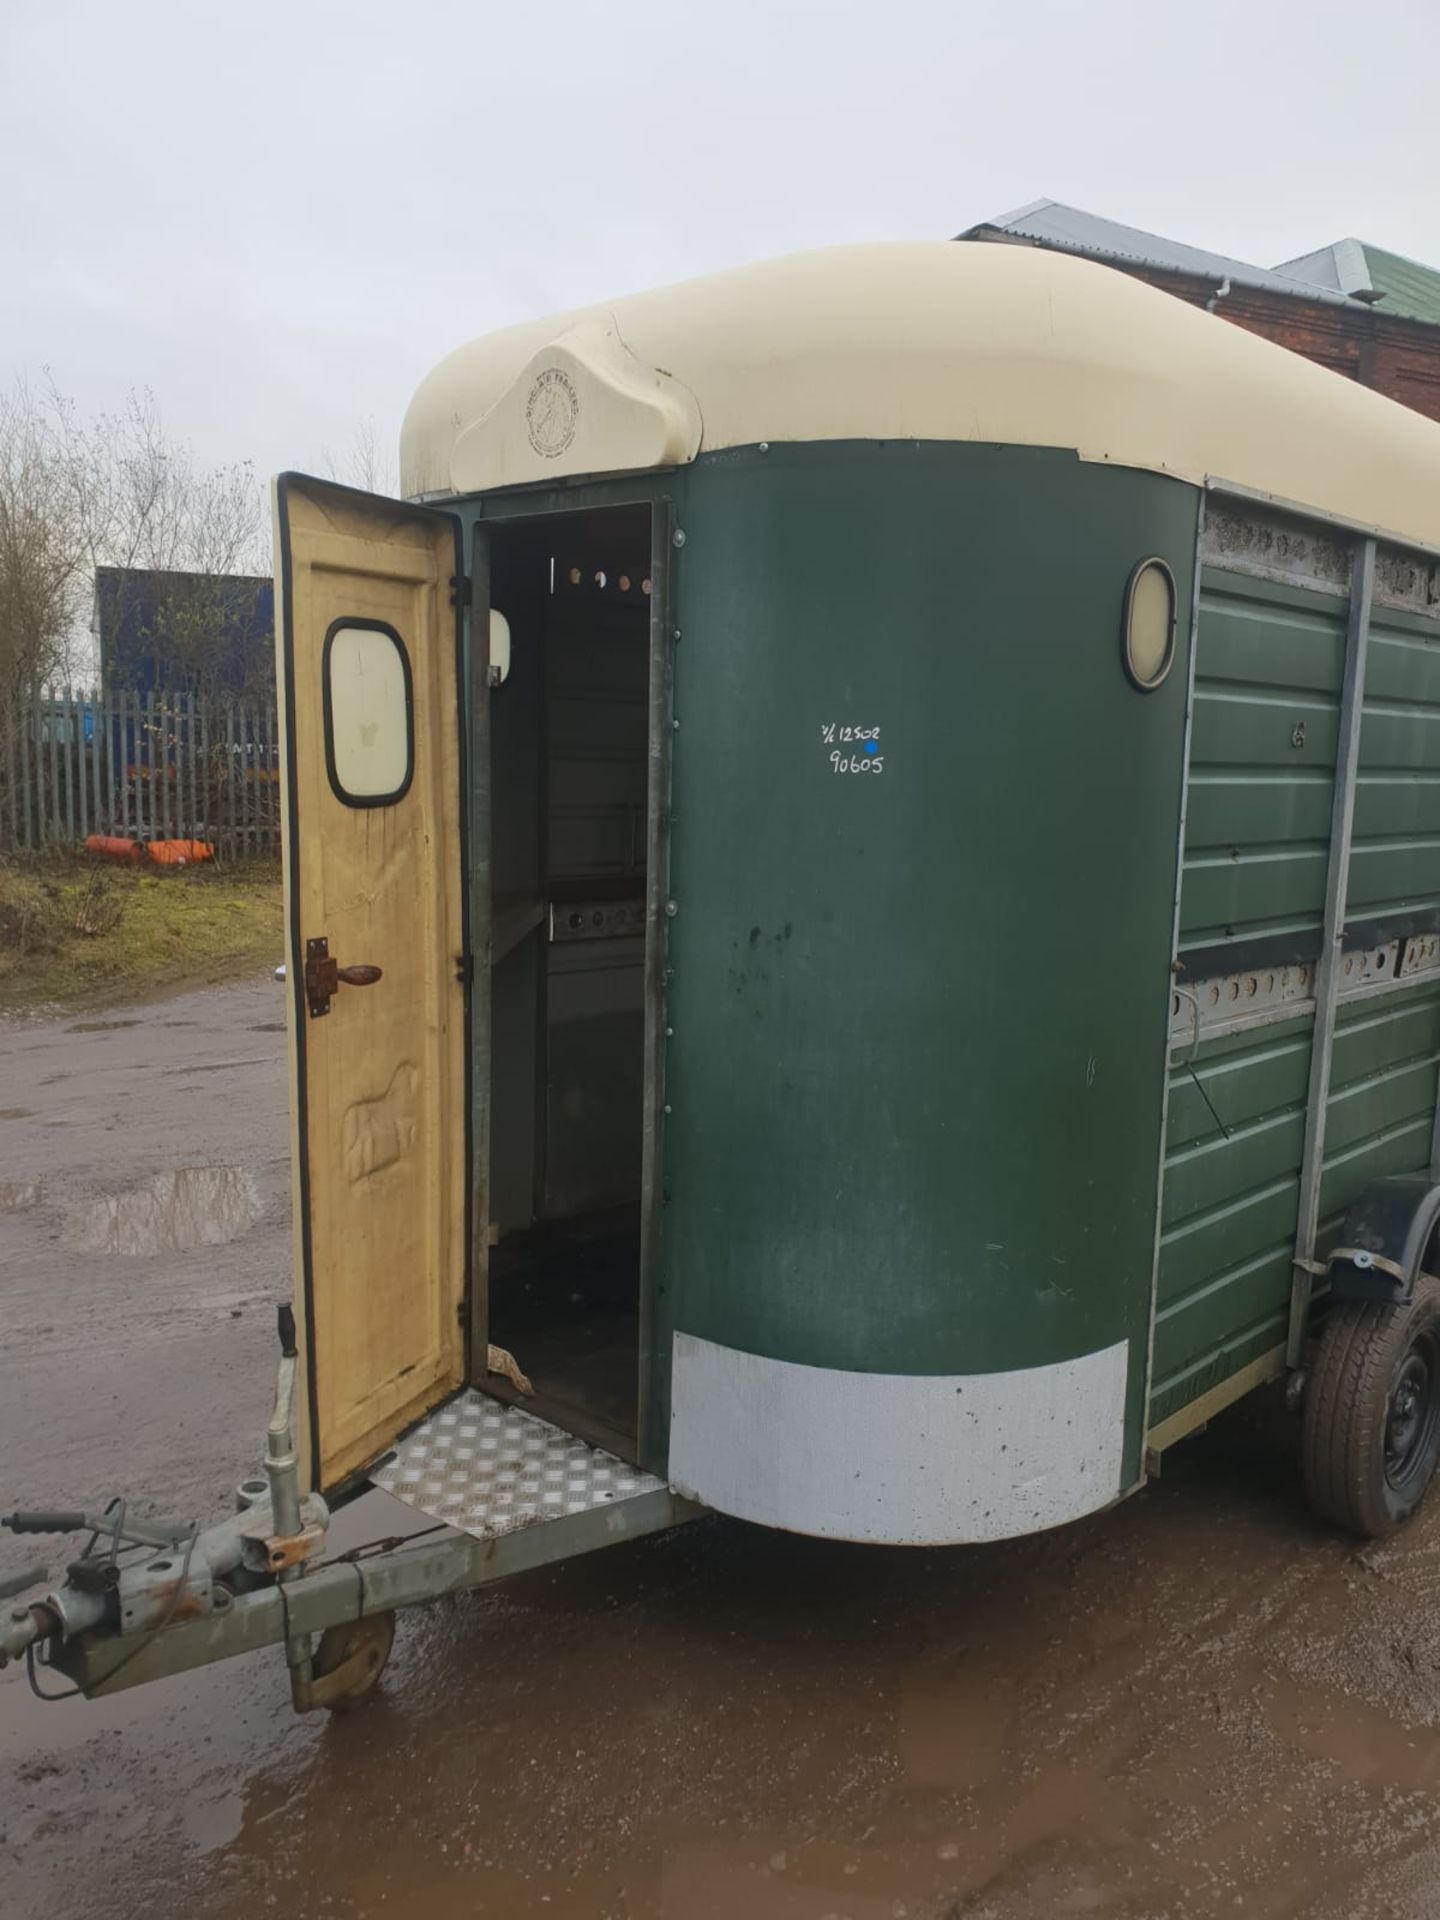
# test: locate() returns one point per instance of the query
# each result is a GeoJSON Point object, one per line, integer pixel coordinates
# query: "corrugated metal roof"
{"type": "Point", "coordinates": [1049, 223]}
{"type": "Point", "coordinates": [1342, 266]}
{"type": "Point", "coordinates": [1386, 280]}
{"type": "Point", "coordinates": [1408, 288]}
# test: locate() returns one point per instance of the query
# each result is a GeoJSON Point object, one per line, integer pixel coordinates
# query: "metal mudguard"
{"type": "Point", "coordinates": [1384, 1240]}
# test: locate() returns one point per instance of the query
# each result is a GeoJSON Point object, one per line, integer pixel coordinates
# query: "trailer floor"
{"type": "Point", "coordinates": [488, 1468]}
{"type": "Point", "coordinates": [1198, 1705]}
{"type": "Point", "coordinates": [565, 1302]}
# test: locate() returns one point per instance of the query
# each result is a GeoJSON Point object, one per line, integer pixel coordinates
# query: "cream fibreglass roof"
{"type": "Point", "coordinates": [928, 341]}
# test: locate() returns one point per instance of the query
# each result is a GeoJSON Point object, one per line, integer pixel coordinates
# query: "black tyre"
{"type": "Point", "coordinates": [1371, 1427]}
{"type": "Point", "coordinates": [360, 1646]}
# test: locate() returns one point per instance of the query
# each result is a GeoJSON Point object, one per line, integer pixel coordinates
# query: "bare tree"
{"type": "Point", "coordinates": [43, 579]}
{"type": "Point", "coordinates": [177, 544]}
{"type": "Point", "coordinates": [116, 495]}
{"type": "Point", "coordinates": [367, 461]}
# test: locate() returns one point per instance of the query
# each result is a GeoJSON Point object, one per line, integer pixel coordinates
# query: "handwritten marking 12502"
{"type": "Point", "coordinates": [868, 760]}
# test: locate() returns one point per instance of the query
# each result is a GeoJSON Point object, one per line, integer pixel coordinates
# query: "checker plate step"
{"type": "Point", "coordinates": [490, 1469]}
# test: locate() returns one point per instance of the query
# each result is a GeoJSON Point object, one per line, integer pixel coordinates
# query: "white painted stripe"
{"type": "Point", "coordinates": [912, 1459]}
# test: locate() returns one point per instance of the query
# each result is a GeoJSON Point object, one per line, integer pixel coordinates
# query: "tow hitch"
{"type": "Point", "coordinates": [142, 1599]}
{"type": "Point", "coordinates": [133, 1580]}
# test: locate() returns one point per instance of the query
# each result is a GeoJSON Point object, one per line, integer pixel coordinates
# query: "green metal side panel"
{"type": "Point", "coordinates": [1268, 667]}
{"type": "Point", "coordinates": [1268, 662]}
{"type": "Point", "coordinates": [1229, 1209]}
{"type": "Point", "coordinates": [1395, 856]}
{"type": "Point", "coordinates": [1382, 1096]}
{"type": "Point", "coordinates": [919, 1015]}
{"type": "Point", "coordinates": [1230, 1205]}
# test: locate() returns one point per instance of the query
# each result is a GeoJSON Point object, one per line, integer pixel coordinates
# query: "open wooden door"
{"type": "Point", "coordinates": [368, 641]}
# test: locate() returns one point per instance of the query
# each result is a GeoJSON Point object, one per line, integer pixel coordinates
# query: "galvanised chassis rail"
{"type": "Point", "coordinates": [187, 1598]}
{"type": "Point", "coordinates": [100, 1660]}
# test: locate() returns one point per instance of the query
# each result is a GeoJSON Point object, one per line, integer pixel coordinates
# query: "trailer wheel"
{"type": "Point", "coordinates": [1371, 1427]}
{"type": "Point", "coordinates": [359, 1647]}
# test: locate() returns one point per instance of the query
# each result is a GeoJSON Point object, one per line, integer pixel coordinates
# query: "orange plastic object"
{"type": "Point", "coordinates": [179, 853]}
{"type": "Point", "coordinates": [112, 847]}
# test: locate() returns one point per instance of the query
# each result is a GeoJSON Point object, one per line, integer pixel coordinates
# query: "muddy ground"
{"type": "Point", "coordinates": [1198, 1704]}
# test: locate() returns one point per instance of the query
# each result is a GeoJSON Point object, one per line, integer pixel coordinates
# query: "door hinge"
{"type": "Point", "coordinates": [465, 969]}
{"type": "Point", "coordinates": [459, 590]}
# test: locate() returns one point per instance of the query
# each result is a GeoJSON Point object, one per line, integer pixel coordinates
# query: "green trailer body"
{"type": "Point", "coordinates": [926, 1026]}
{"type": "Point", "coordinates": [1002, 1100]}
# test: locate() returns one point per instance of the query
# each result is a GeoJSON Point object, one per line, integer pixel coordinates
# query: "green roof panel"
{"type": "Point", "coordinates": [1409, 288]}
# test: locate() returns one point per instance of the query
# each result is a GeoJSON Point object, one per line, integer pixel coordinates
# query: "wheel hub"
{"type": "Point", "coordinates": [1410, 1418]}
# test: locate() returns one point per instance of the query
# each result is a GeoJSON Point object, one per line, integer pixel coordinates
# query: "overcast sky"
{"type": "Point", "coordinates": [280, 216]}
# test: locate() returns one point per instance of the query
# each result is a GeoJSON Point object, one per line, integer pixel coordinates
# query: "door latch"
{"type": "Point", "coordinates": [324, 977]}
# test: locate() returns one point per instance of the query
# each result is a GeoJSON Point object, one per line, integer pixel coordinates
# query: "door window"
{"type": "Point", "coordinates": [369, 730]}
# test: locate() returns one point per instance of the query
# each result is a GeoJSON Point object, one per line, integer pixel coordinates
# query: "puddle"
{"type": "Point", "coordinates": [1362, 1743]}
{"type": "Point", "coordinates": [101, 1026]}
{"type": "Point", "coordinates": [190, 1207]}
{"type": "Point", "coordinates": [952, 1730]}
{"type": "Point", "coordinates": [269, 1026]}
{"type": "Point", "coordinates": [15, 1113]}
{"type": "Point", "coordinates": [16, 1195]}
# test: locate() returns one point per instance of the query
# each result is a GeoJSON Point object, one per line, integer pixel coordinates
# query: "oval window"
{"type": "Point", "coordinates": [368, 729]}
{"type": "Point", "coordinates": [1148, 631]}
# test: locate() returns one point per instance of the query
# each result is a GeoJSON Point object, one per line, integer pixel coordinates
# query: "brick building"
{"type": "Point", "coordinates": [1365, 313]}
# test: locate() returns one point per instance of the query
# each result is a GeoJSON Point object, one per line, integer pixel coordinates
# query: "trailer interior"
{"type": "Point", "coordinates": [569, 803]}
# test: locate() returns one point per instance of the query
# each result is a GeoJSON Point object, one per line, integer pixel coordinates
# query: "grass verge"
{"type": "Point", "coordinates": [76, 930]}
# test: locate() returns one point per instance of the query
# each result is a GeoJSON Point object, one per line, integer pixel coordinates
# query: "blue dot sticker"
{"type": "Point", "coordinates": [871, 747]}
